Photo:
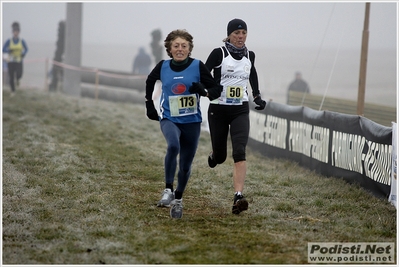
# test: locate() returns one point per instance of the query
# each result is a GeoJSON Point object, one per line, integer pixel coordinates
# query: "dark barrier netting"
{"type": "Point", "coordinates": [333, 144]}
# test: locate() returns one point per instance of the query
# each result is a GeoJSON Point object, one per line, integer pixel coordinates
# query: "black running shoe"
{"type": "Point", "coordinates": [240, 204]}
{"type": "Point", "coordinates": [211, 161]}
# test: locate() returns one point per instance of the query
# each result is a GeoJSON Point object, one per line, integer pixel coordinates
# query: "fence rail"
{"type": "Point", "coordinates": [380, 114]}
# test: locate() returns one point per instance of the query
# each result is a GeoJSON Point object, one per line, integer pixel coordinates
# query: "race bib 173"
{"type": "Point", "coordinates": [183, 105]}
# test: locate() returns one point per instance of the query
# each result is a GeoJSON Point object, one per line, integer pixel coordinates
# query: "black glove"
{"type": "Point", "coordinates": [152, 113]}
{"type": "Point", "coordinates": [198, 88]}
{"type": "Point", "coordinates": [215, 92]}
{"type": "Point", "coordinates": [261, 103]}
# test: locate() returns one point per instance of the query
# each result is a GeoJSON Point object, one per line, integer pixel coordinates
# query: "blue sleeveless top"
{"type": "Point", "coordinates": [177, 104]}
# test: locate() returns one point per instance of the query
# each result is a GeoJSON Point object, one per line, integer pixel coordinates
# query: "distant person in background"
{"type": "Point", "coordinates": [142, 63]}
{"type": "Point", "coordinates": [298, 85]}
{"type": "Point", "coordinates": [16, 49]}
{"type": "Point", "coordinates": [184, 80]}
{"type": "Point", "coordinates": [156, 47]}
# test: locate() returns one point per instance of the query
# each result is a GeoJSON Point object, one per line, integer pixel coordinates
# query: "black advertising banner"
{"type": "Point", "coordinates": [333, 144]}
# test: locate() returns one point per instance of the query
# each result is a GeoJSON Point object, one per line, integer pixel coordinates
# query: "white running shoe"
{"type": "Point", "coordinates": [167, 197]}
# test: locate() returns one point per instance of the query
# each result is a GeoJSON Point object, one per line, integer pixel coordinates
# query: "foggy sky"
{"type": "Point", "coordinates": [283, 24]}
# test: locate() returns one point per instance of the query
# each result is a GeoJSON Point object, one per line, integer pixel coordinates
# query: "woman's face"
{"type": "Point", "coordinates": [180, 49]}
{"type": "Point", "coordinates": [238, 38]}
{"type": "Point", "coordinates": [15, 33]}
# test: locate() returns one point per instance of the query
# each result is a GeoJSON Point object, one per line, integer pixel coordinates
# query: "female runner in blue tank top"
{"type": "Point", "coordinates": [233, 67]}
{"type": "Point", "coordinates": [184, 80]}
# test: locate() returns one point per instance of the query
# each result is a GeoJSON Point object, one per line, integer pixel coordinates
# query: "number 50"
{"type": "Point", "coordinates": [235, 92]}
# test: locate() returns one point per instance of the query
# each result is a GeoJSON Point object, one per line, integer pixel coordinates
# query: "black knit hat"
{"type": "Point", "coordinates": [236, 24]}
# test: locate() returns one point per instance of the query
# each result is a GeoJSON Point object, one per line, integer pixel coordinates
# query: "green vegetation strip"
{"type": "Point", "coordinates": [81, 179]}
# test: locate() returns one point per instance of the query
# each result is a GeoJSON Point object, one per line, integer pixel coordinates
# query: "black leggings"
{"type": "Point", "coordinates": [14, 72]}
{"type": "Point", "coordinates": [223, 118]}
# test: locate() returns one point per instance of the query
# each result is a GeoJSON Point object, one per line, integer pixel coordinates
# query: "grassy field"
{"type": "Point", "coordinates": [81, 179]}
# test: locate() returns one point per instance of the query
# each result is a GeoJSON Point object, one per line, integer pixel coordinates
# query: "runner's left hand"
{"type": "Point", "coordinates": [198, 88]}
{"type": "Point", "coordinates": [261, 103]}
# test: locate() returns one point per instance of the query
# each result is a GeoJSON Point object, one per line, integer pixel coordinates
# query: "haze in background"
{"type": "Point", "coordinates": [271, 24]}
{"type": "Point", "coordinates": [320, 39]}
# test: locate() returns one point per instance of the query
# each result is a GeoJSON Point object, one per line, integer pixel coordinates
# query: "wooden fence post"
{"type": "Point", "coordinates": [97, 80]}
{"type": "Point", "coordinates": [46, 88]}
